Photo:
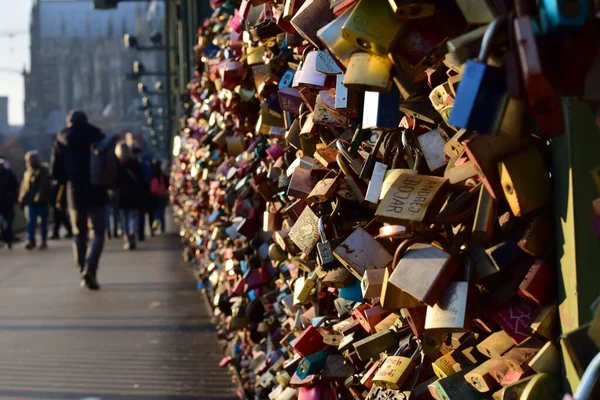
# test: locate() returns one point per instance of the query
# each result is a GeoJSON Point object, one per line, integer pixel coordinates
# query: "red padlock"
{"type": "Point", "coordinates": [309, 342]}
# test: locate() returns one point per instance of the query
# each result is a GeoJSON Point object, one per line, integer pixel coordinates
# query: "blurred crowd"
{"type": "Point", "coordinates": [138, 200]}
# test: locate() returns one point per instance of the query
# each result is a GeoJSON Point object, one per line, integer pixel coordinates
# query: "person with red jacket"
{"type": "Point", "coordinates": [159, 190]}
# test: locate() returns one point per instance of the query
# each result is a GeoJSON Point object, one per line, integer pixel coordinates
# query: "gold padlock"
{"type": "Point", "coordinates": [481, 379]}
{"type": "Point", "coordinates": [525, 181]}
{"type": "Point", "coordinates": [396, 369]}
{"type": "Point", "coordinates": [368, 72]}
{"type": "Point", "coordinates": [372, 27]}
{"type": "Point", "coordinates": [302, 289]}
{"type": "Point", "coordinates": [331, 36]}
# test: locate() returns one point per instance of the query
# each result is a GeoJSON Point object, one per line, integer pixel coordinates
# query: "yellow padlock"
{"type": "Point", "coordinates": [525, 181]}
{"type": "Point", "coordinates": [368, 72]}
{"type": "Point", "coordinates": [396, 369]}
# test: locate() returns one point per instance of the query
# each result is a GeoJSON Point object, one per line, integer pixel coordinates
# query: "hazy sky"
{"type": "Point", "coordinates": [14, 54]}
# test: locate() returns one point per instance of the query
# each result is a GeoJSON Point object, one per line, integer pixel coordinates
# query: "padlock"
{"type": "Point", "coordinates": [539, 284]}
{"type": "Point", "coordinates": [481, 379]}
{"type": "Point", "coordinates": [338, 278]}
{"type": "Point", "coordinates": [545, 324]}
{"type": "Point", "coordinates": [476, 12]}
{"type": "Point", "coordinates": [302, 288]}
{"type": "Point", "coordinates": [311, 364]}
{"type": "Point", "coordinates": [370, 317]}
{"type": "Point", "coordinates": [331, 36]}
{"type": "Point", "coordinates": [412, 9]}
{"type": "Point", "coordinates": [305, 232]}
{"type": "Point", "coordinates": [326, 64]}
{"type": "Point", "coordinates": [409, 199]}
{"type": "Point", "coordinates": [547, 360]}
{"type": "Point", "coordinates": [326, 259]}
{"type": "Point", "coordinates": [481, 94]}
{"type": "Point", "coordinates": [424, 272]}
{"type": "Point", "coordinates": [495, 345]}
{"type": "Point", "coordinates": [325, 112]}
{"type": "Point", "coordinates": [415, 317]}
{"type": "Point", "coordinates": [539, 386]}
{"type": "Point", "coordinates": [544, 102]}
{"type": "Point", "coordinates": [360, 252]}
{"type": "Point", "coordinates": [310, 17]}
{"type": "Point", "coordinates": [378, 78]}
{"type": "Point", "coordinates": [432, 343]}
{"type": "Point", "coordinates": [559, 16]}
{"type": "Point", "coordinates": [485, 218]}
{"type": "Point", "coordinates": [396, 369]}
{"type": "Point", "coordinates": [515, 318]}
{"type": "Point", "coordinates": [380, 109]}
{"type": "Point", "coordinates": [450, 364]}
{"type": "Point", "coordinates": [376, 183]}
{"type": "Point", "coordinates": [518, 357]}
{"type": "Point", "coordinates": [290, 100]}
{"type": "Point", "coordinates": [308, 75]}
{"type": "Point", "coordinates": [372, 27]}
{"type": "Point", "coordinates": [455, 387]}
{"type": "Point", "coordinates": [454, 309]}
{"type": "Point", "coordinates": [337, 368]}
{"type": "Point", "coordinates": [432, 146]}
{"type": "Point", "coordinates": [309, 342]}
{"type": "Point", "coordinates": [525, 181]}
{"type": "Point", "coordinates": [372, 282]}
{"type": "Point", "coordinates": [388, 322]}
{"type": "Point", "coordinates": [375, 344]}
{"type": "Point", "coordinates": [394, 298]}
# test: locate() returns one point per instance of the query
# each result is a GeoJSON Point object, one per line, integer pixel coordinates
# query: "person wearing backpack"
{"type": "Point", "coordinates": [34, 197]}
{"type": "Point", "coordinates": [130, 185]}
{"type": "Point", "coordinates": [75, 156]}
{"type": "Point", "coordinates": [160, 194]}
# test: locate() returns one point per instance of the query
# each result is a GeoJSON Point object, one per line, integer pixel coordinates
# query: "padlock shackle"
{"type": "Point", "coordinates": [488, 37]}
{"type": "Point", "coordinates": [588, 380]}
{"type": "Point", "coordinates": [321, 226]}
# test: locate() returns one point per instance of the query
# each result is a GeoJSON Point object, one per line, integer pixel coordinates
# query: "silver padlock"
{"type": "Point", "coordinates": [326, 259]}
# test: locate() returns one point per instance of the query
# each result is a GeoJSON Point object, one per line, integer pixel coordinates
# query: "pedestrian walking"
{"type": "Point", "coordinates": [160, 195]}
{"type": "Point", "coordinates": [58, 203]}
{"type": "Point", "coordinates": [131, 193]}
{"type": "Point", "coordinates": [146, 212]}
{"type": "Point", "coordinates": [34, 198]}
{"type": "Point", "coordinates": [9, 192]}
{"type": "Point", "coordinates": [73, 153]}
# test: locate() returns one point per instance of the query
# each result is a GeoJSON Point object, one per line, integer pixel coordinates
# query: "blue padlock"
{"type": "Point", "coordinates": [563, 15]}
{"type": "Point", "coordinates": [481, 94]}
{"type": "Point", "coordinates": [352, 291]}
{"type": "Point", "coordinates": [311, 364]}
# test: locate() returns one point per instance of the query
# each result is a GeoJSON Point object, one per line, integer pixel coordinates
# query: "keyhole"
{"type": "Point", "coordinates": [509, 189]}
{"type": "Point", "coordinates": [363, 43]}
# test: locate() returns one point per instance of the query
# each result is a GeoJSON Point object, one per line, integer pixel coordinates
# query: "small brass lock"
{"type": "Point", "coordinates": [396, 369]}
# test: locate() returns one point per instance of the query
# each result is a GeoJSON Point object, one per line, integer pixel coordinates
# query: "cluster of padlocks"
{"type": "Point", "coordinates": [363, 188]}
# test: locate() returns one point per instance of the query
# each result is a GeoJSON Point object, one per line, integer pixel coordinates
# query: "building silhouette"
{"type": "Point", "coordinates": [78, 61]}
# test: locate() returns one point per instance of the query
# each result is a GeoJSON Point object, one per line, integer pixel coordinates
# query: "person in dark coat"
{"type": "Point", "coordinates": [131, 193]}
{"type": "Point", "coordinates": [9, 192]}
{"type": "Point", "coordinates": [59, 212]}
{"type": "Point", "coordinates": [34, 197]}
{"type": "Point", "coordinates": [71, 154]}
